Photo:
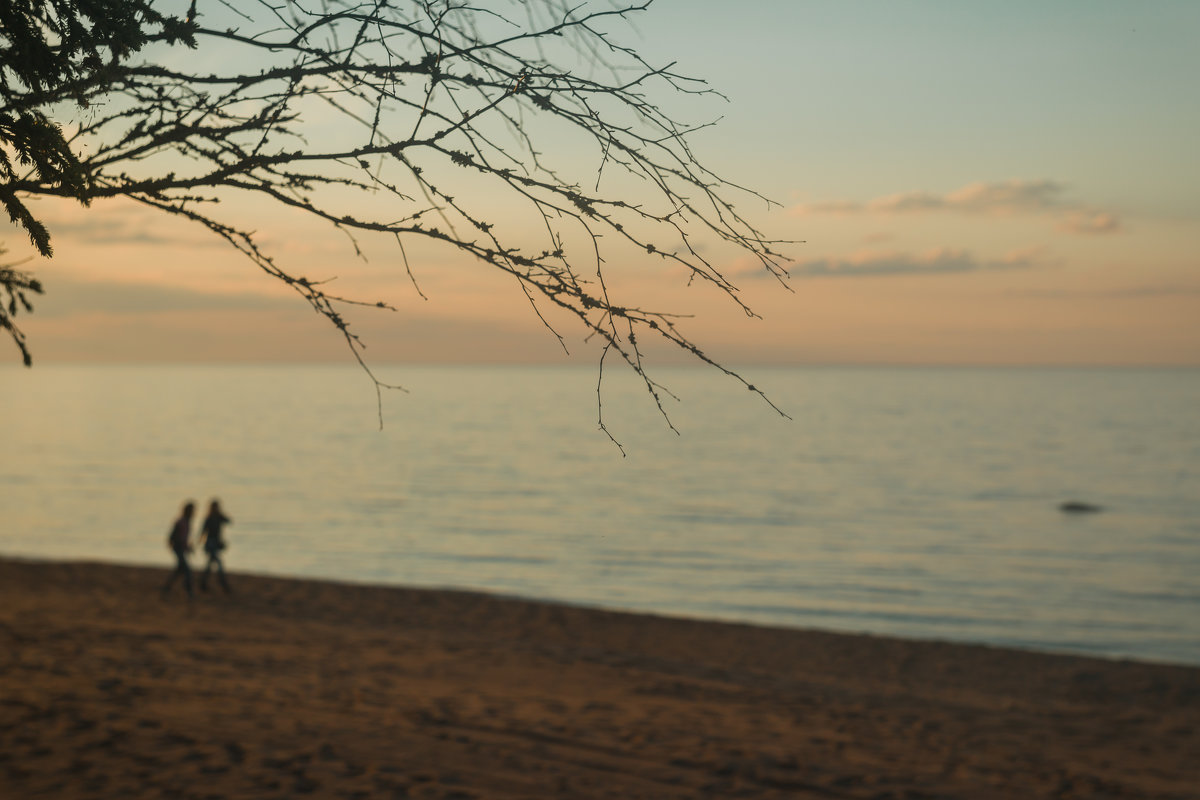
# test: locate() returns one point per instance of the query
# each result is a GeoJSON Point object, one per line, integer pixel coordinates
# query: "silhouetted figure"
{"type": "Point", "coordinates": [213, 543]}
{"type": "Point", "coordinates": [179, 542]}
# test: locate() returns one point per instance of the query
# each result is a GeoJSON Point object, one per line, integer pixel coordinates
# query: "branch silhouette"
{"type": "Point", "coordinates": [424, 93]}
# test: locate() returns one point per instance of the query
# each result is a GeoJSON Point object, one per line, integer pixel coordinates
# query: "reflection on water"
{"type": "Point", "coordinates": [918, 502]}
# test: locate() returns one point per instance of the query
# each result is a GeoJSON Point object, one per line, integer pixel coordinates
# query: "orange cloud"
{"type": "Point", "coordinates": [1003, 198]}
{"type": "Point", "coordinates": [939, 261]}
{"type": "Point", "coordinates": [1092, 222]}
{"type": "Point", "coordinates": [1007, 197]}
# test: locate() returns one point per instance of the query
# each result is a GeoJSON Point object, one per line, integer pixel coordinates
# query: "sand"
{"type": "Point", "coordinates": [294, 688]}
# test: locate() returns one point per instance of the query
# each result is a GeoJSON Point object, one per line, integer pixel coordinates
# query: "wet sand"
{"type": "Point", "coordinates": [294, 688]}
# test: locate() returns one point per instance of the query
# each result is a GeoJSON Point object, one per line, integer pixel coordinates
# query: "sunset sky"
{"type": "Point", "coordinates": [1009, 183]}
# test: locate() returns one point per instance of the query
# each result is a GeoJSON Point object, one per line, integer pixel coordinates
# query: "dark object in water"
{"type": "Point", "coordinates": [1076, 507]}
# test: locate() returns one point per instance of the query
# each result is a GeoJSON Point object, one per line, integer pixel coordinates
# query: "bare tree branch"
{"type": "Point", "coordinates": [429, 95]}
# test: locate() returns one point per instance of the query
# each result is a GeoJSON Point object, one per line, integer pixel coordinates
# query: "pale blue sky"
{"type": "Point", "coordinates": [855, 99]}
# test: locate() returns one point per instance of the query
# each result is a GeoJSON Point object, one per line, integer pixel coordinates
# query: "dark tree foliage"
{"type": "Point", "coordinates": [15, 288]}
{"type": "Point", "coordinates": [52, 53]}
{"type": "Point", "coordinates": [426, 97]}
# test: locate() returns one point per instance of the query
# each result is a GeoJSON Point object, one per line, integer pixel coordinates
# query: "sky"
{"type": "Point", "coordinates": [1004, 183]}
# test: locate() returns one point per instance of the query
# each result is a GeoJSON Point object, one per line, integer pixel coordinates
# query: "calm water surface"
{"type": "Point", "coordinates": [915, 502]}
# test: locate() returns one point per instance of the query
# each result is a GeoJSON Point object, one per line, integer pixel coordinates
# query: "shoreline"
{"type": "Point", "coordinates": [304, 687]}
{"type": "Point", "coordinates": [1032, 647]}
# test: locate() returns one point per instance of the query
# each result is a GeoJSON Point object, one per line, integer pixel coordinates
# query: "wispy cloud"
{"type": "Point", "coordinates": [110, 230]}
{"type": "Point", "coordinates": [1089, 222]}
{"type": "Point", "coordinates": [119, 223]}
{"type": "Point", "coordinates": [940, 261]}
{"type": "Point", "coordinates": [66, 295]}
{"type": "Point", "coordinates": [878, 237]}
{"type": "Point", "coordinates": [1004, 198]}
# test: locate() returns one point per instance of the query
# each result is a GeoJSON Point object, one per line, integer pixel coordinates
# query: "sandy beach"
{"type": "Point", "coordinates": [294, 688]}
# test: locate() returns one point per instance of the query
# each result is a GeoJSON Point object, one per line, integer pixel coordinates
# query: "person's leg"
{"type": "Point", "coordinates": [204, 575]}
{"type": "Point", "coordinates": [180, 567]}
{"type": "Point", "coordinates": [187, 574]}
{"type": "Point", "coordinates": [221, 571]}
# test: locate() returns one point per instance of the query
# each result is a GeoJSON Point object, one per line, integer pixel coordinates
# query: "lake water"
{"type": "Point", "coordinates": [909, 501]}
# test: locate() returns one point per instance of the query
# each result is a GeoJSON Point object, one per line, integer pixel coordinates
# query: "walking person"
{"type": "Point", "coordinates": [213, 541]}
{"type": "Point", "coordinates": [179, 540]}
